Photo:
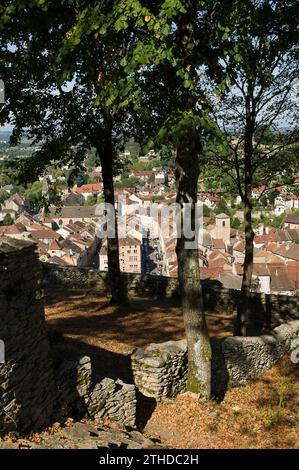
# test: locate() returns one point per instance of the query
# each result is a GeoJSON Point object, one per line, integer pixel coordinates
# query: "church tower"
{"type": "Point", "coordinates": [222, 229]}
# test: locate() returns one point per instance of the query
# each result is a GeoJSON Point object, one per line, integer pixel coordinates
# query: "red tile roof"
{"type": "Point", "coordinates": [89, 188]}
{"type": "Point", "coordinates": [218, 243]}
{"type": "Point", "coordinates": [44, 233]}
{"type": "Point", "coordinates": [292, 219]}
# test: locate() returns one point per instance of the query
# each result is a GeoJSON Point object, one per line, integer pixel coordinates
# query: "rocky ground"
{"type": "Point", "coordinates": [81, 435]}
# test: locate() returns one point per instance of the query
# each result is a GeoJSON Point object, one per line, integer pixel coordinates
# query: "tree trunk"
{"type": "Point", "coordinates": [116, 281]}
{"type": "Point", "coordinates": [242, 320]}
{"type": "Point", "coordinates": [198, 342]}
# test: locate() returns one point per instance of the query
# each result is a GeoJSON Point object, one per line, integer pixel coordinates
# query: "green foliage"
{"type": "Point", "coordinates": [100, 199]}
{"type": "Point", "coordinates": [255, 222]}
{"type": "Point", "coordinates": [90, 200]}
{"type": "Point", "coordinates": [136, 165]}
{"type": "Point", "coordinates": [129, 182]}
{"type": "Point", "coordinates": [34, 196]}
{"type": "Point", "coordinates": [92, 160]}
{"type": "Point", "coordinates": [8, 220]}
{"type": "Point", "coordinates": [236, 223]}
{"type": "Point", "coordinates": [277, 222]}
{"type": "Point", "coordinates": [222, 207]}
{"type": "Point", "coordinates": [157, 197]}
{"type": "Point", "coordinates": [3, 195]}
{"type": "Point", "coordinates": [36, 186]}
{"type": "Point", "coordinates": [134, 148]}
{"type": "Point", "coordinates": [206, 211]}
{"type": "Point", "coordinates": [81, 179]}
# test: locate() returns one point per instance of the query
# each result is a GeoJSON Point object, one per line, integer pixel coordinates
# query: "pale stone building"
{"type": "Point", "coordinates": [222, 228]}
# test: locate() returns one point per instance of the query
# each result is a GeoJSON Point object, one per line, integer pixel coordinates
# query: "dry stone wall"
{"type": "Point", "coordinates": [42, 382]}
{"type": "Point", "coordinates": [81, 394]}
{"type": "Point", "coordinates": [247, 358]}
{"type": "Point", "coordinates": [160, 369]}
{"type": "Point", "coordinates": [264, 309]}
{"type": "Point", "coordinates": [27, 383]}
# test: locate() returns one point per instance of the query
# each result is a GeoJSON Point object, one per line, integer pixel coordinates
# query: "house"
{"type": "Point", "coordinates": [238, 251]}
{"type": "Point", "coordinates": [94, 189]}
{"type": "Point", "coordinates": [14, 206]}
{"type": "Point", "coordinates": [262, 275]}
{"type": "Point", "coordinates": [287, 252]}
{"type": "Point", "coordinates": [13, 231]}
{"type": "Point", "coordinates": [292, 201]}
{"type": "Point", "coordinates": [45, 235]}
{"type": "Point", "coordinates": [73, 199]}
{"type": "Point", "coordinates": [280, 208]}
{"type": "Point", "coordinates": [161, 178]}
{"type": "Point", "coordinates": [257, 192]}
{"type": "Point", "coordinates": [292, 221]}
{"type": "Point", "coordinates": [285, 202]}
{"type": "Point", "coordinates": [284, 280]}
{"type": "Point", "coordinates": [143, 175]}
{"type": "Point", "coordinates": [73, 254]}
{"type": "Point", "coordinates": [209, 199]}
{"type": "Point", "coordinates": [129, 255]}
{"type": "Point", "coordinates": [218, 244]}
{"type": "Point", "coordinates": [72, 214]}
{"type": "Point", "coordinates": [55, 249]}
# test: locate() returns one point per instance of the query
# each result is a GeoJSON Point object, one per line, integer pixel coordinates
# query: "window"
{"type": "Point", "coordinates": [223, 223]}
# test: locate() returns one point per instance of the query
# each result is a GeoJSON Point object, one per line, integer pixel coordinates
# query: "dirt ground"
{"type": "Point", "coordinates": [109, 334]}
{"type": "Point", "coordinates": [262, 415]}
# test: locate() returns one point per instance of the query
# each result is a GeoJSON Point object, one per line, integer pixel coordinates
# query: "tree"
{"type": "Point", "coordinates": [222, 207]}
{"type": "Point", "coordinates": [90, 200]}
{"type": "Point", "coordinates": [91, 161]}
{"type": "Point", "coordinates": [132, 182]}
{"type": "Point", "coordinates": [80, 179]}
{"type": "Point", "coordinates": [206, 211]}
{"type": "Point", "coordinates": [63, 77]}
{"type": "Point", "coordinates": [3, 195]}
{"type": "Point", "coordinates": [172, 47]}
{"type": "Point", "coordinates": [261, 67]}
{"type": "Point", "coordinates": [164, 44]}
{"type": "Point", "coordinates": [35, 196]}
{"type": "Point", "coordinates": [8, 220]}
{"type": "Point", "coordinates": [236, 223]}
{"type": "Point", "coordinates": [157, 197]}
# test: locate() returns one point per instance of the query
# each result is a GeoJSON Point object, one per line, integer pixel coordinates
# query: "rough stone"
{"type": "Point", "coordinates": [235, 361]}
{"type": "Point", "coordinates": [41, 382]}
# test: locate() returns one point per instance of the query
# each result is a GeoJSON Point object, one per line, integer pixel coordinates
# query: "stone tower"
{"type": "Point", "coordinates": [222, 229]}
